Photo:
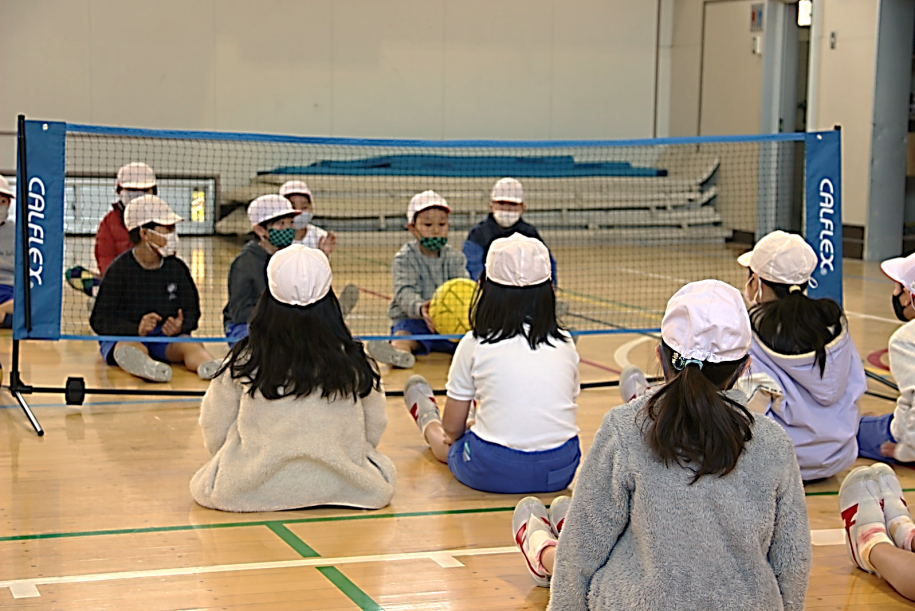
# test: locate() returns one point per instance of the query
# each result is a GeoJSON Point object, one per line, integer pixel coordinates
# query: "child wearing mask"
{"type": "Point", "coordinates": [505, 210]}
{"type": "Point", "coordinates": [294, 417]}
{"type": "Point", "coordinates": [272, 218]}
{"type": "Point", "coordinates": [421, 266]}
{"type": "Point", "coordinates": [149, 292]}
{"type": "Point", "coordinates": [7, 254]}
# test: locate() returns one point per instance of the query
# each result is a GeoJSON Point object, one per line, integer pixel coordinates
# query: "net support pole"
{"type": "Point", "coordinates": [22, 218]}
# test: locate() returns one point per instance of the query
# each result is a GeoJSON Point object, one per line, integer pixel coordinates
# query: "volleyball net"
{"type": "Point", "coordinates": [627, 222]}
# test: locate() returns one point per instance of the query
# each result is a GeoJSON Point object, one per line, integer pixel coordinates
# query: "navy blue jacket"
{"type": "Point", "coordinates": [482, 235]}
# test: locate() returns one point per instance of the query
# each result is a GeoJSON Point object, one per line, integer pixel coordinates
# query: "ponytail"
{"type": "Point", "coordinates": [796, 324]}
{"type": "Point", "coordinates": [692, 422]}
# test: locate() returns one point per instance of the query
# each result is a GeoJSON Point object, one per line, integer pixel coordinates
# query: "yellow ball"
{"type": "Point", "coordinates": [450, 306]}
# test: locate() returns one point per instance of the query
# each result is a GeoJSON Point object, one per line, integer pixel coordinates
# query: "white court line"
{"type": "Point", "coordinates": [621, 356]}
{"type": "Point", "coordinates": [872, 317]}
{"type": "Point", "coordinates": [28, 588]}
{"type": "Point", "coordinates": [833, 536]}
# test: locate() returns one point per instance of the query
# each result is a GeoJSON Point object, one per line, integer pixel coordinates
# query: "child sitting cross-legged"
{"type": "Point", "coordinates": [522, 369]}
{"type": "Point", "coordinates": [294, 416]}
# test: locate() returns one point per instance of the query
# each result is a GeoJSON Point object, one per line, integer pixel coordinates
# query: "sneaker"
{"type": "Point", "coordinates": [384, 352]}
{"type": "Point", "coordinates": [135, 362]}
{"type": "Point", "coordinates": [632, 383]}
{"type": "Point", "coordinates": [348, 298]}
{"type": "Point", "coordinates": [859, 503]}
{"type": "Point", "coordinates": [208, 370]}
{"type": "Point", "coordinates": [898, 520]}
{"type": "Point", "coordinates": [559, 508]}
{"type": "Point", "coordinates": [417, 394]}
{"type": "Point", "coordinates": [533, 534]}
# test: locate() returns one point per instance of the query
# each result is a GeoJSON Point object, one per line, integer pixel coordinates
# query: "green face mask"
{"type": "Point", "coordinates": [433, 244]}
{"type": "Point", "coordinates": [281, 238]}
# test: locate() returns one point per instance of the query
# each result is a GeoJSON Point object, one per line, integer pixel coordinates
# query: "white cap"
{"type": "Point", "coordinates": [269, 207]}
{"type": "Point", "coordinates": [902, 270]}
{"type": "Point", "coordinates": [5, 188]}
{"type": "Point", "coordinates": [136, 175]}
{"type": "Point", "coordinates": [423, 201]}
{"type": "Point", "coordinates": [507, 190]}
{"type": "Point", "coordinates": [518, 261]}
{"type": "Point", "coordinates": [707, 321]}
{"type": "Point", "coordinates": [149, 209]}
{"type": "Point", "coordinates": [298, 275]}
{"type": "Point", "coordinates": [781, 257]}
{"type": "Point", "coordinates": [295, 187]}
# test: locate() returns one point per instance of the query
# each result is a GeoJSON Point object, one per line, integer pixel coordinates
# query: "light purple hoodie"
{"type": "Point", "coordinates": [820, 414]}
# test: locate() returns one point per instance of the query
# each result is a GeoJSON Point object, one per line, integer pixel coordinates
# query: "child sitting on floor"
{"type": "Point", "coordinates": [522, 369]}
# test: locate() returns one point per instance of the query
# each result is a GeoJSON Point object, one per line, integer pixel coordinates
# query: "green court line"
{"type": "Point", "coordinates": [267, 523]}
{"type": "Point", "coordinates": [332, 574]}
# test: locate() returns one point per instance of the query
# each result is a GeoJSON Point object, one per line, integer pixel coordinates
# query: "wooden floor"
{"type": "Point", "coordinates": [97, 515]}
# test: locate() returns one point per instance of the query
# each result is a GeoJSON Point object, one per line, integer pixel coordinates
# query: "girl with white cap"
{"type": "Point", "coordinates": [685, 499]}
{"type": "Point", "coordinates": [296, 412]}
{"type": "Point", "coordinates": [807, 374]}
{"type": "Point", "coordinates": [522, 369]}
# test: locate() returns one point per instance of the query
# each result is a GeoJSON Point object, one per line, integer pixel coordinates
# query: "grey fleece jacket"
{"type": "Point", "coordinates": [416, 277]}
{"type": "Point", "coordinates": [247, 281]}
{"type": "Point", "coordinates": [638, 536]}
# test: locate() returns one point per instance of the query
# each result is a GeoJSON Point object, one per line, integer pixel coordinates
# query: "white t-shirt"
{"type": "Point", "coordinates": [526, 398]}
{"type": "Point", "coordinates": [312, 236]}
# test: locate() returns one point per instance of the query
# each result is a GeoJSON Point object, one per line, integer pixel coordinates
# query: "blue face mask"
{"type": "Point", "coordinates": [433, 244]}
{"type": "Point", "coordinates": [281, 238]}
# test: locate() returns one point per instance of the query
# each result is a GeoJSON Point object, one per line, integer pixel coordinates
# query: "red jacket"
{"type": "Point", "coordinates": [111, 240]}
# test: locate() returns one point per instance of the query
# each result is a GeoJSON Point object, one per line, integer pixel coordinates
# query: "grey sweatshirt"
{"type": "Point", "coordinates": [416, 277]}
{"type": "Point", "coordinates": [247, 280]}
{"type": "Point", "coordinates": [7, 252]}
{"type": "Point", "coordinates": [638, 536]}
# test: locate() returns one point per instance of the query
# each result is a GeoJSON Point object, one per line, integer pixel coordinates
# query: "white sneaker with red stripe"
{"type": "Point", "coordinates": [632, 383]}
{"type": "Point", "coordinates": [859, 502]}
{"type": "Point", "coordinates": [417, 394]}
{"type": "Point", "coordinates": [533, 534]}
{"type": "Point", "coordinates": [559, 508]}
{"type": "Point", "coordinates": [899, 522]}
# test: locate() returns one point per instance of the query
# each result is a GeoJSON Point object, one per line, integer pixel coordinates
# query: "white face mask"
{"type": "Point", "coordinates": [171, 243]}
{"type": "Point", "coordinates": [301, 221]}
{"type": "Point", "coordinates": [129, 194]}
{"type": "Point", "coordinates": [752, 301]}
{"type": "Point", "coordinates": [506, 218]}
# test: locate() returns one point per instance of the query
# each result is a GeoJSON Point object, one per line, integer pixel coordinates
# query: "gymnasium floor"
{"type": "Point", "coordinates": [97, 515]}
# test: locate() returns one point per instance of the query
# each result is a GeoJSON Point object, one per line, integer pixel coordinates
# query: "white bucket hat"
{"type": "Point", "coordinates": [269, 207]}
{"type": "Point", "coordinates": [783, 258]}
{"type": "Point", "coordinates": [298, 275]}
{"type": "Point", "coordinates": [149, 209]}
{"type": "Point", "coordinates": [707, 321]}
{"type": "Point", "coordinates": [295, 187]}
{"type": "Point", "coordinates": [136, 175]}
{"type": "Point", "coordinates": [518, 261]}
{"type": "Point", "coordinates": [507, 190]}
{"type": "Point", "coordinates": [423, 201]}
{"type": "Point", "coordinates": [5, 188]}
{"type": "Point", "coordinates": [902, 270]}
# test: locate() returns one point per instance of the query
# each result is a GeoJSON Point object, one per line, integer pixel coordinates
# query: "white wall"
{"type": "Point", "coordinates": [517, 69]}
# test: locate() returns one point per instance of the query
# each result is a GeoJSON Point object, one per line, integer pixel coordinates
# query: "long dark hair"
{"type": "Point", "coordinates": [796, 324]}
{"type": "Point", "coordinates": [500, 312]}
{"type": "Point", "coordinates": [691, 423]}
{"type": "Point", "coordinates": [293, 351]}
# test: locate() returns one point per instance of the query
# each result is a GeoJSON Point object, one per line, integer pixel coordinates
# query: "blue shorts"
{"type": "Point", "coordinates": [6, 294]}
{"type": "Point", "coordinates": [873, 432]}
{"type": "Point", "coordinates": [156, 349]}
{"type": "Point", "coordinates": [235, 331]}
{"type": "Point", "coordinates": [417, 326]}
{"type": "Point", "coordinates": [490, 467]}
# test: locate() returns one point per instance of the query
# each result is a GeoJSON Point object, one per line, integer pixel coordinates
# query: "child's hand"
{"type": "Point", "coordinates": [172, 326]}
{"type": "Point", "coordinates": [424, 311]}
{"type": "Point", "coordinates": [328, 243]}
{"type": "Point", "coordinates": [148, 323]}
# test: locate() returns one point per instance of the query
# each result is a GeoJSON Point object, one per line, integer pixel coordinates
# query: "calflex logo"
{"type": "Point", "coordinates": [36, 231]}
{"type": "Point", "coordinates": [827, 226]}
